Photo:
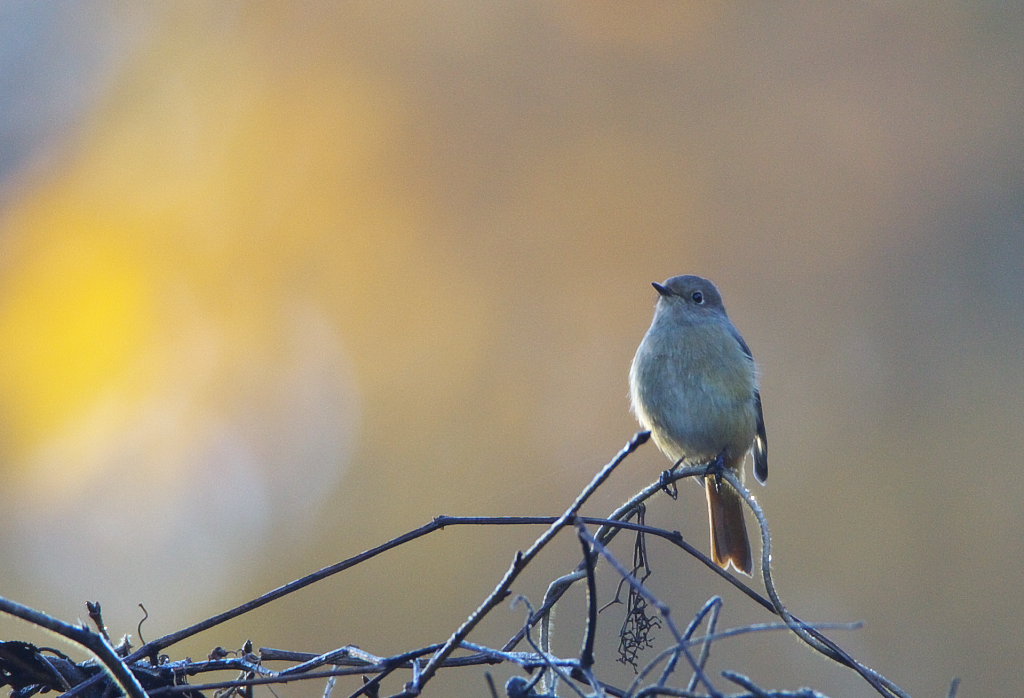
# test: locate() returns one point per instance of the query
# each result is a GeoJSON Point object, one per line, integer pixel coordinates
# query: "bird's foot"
{"type": "Point", "coordinates": [715, 468]}
{"type": "Point", "coordinates": [667, 483]}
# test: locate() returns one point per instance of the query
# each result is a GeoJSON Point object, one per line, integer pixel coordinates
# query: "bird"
{"type": "Point", "coordinates": [694, 385]}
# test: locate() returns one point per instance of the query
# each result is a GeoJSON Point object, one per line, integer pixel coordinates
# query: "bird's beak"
{"type": "Point", "coordinates": [662, 290]}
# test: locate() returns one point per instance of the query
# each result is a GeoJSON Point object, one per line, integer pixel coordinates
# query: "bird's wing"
{"type": "Point", "coordinates": [761, 440]}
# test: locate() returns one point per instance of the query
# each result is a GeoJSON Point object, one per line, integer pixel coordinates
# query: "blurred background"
{"type": "Point", "coordinates": [279, 282]}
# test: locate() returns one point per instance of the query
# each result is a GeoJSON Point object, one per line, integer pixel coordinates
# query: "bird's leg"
{"type": "Point", "coordinates": [715, 467]}
{"type": "Point", "coordinates": [666, 483]}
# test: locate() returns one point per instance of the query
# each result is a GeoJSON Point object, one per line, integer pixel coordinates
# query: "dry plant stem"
{"type": "Point", "coordinates": [711, 610]}
{"type": "Point", "coordinates": [663, 609]}
{"type": "Point", "coordinates": [355, 657]}
{"type": "Point", "coordinates": [96, 616]}
{"type": "Point", "coordinates": [817, 640]}
{"type": "Point", "coordinates": [705, 641]}
{"type": "Point", "coordinates": [381, 667]}
{"type": "Point", "coordinates": [711, 606]}
{"type": "Point", "coordinates": [812, 637]}
{"type": "Point", "coordinates": [555, 670]}
{"type": "Point", "coordinates": [666, 691]}
{"type": "Point", "coordinates": [758, 692]}
{"type": "Point", "coordinates": [527, 660]}
{"type": "Point", "coordinates": [94, 642]}
{"type": "Point", "coordinates": [587, 654]}
{"type": "Point", "coordinates": [519, 562]}
{"type": "Point", "coordinates": [586, 661]}
{"type": "Point", "coordinates": [607, 525]}
{"type": "Point", "coordinates": [151, 648]}
{"type": "Point", "coordinates": [609, 529]}
{"type": "Point", "coordinates": [333, 657]}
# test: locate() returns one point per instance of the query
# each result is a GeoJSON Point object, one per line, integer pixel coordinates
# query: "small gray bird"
{"type": "Point", "coordinates": [693, 384]}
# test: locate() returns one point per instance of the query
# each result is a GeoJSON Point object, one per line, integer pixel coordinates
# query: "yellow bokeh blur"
{"type": "Point", "coordinates": [75, 310]}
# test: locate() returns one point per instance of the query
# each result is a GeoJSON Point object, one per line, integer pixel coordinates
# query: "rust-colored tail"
{"type": "Point", "coordinates": [729, 543]}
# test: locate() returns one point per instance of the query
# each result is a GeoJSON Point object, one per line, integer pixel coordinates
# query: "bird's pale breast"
{"type": "Point", "coordinates": [696, 396]}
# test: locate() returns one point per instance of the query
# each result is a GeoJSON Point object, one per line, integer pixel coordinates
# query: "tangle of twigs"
{"type": "Point", "coordinates": [28, 669]}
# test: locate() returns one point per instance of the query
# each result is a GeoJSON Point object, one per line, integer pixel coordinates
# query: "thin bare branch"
{"type": "Point", "coordinates": [520, 561]}
{"type": "Point", "coordinates": [579, 675]}
{"type": "Point", "coordinates": [805, 632]}
{"type": "Point", "coordinates": [94, 642]}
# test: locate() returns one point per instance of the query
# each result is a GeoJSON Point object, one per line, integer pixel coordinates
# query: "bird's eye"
{"type": "Point", "coordinates": [697, 297]}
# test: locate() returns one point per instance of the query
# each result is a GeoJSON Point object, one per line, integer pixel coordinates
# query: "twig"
{"type": "Point", "coordinates": [490, 685]}
{"type": "Point", "coordinates": [93, 642]}
{"type": "Point", "coordinates": [663, 609]}
{"type": "Point", "coordinates": [759, 692]}
{"type": "Point", "coordinates": [666, 691]}
{"type": "Point", "coordinates": [610, 528]}
{"type": "Point", "coordinates": [360, 662]}
{"type": "Point", "coordinates": [711, 610]}
{"type": "Point", "coordinates": [613, 524]}
{"type": "Point", "coordinates": [806, 633]}
{"type": "Point", "coordinates": [551, 665]}
{"type": "Point", "coordinates": [96, 616]}
{"type": "Point", "coordinates": [587, 654]}
{"type": "Point", "coordinates": [746, 683]}
{"type": "Point", "coordinates": [163, 642]}
{"type": "Point", "coordinates": [518, 563]}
